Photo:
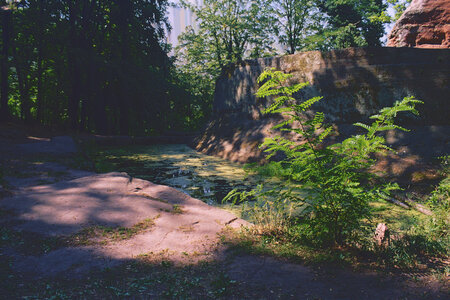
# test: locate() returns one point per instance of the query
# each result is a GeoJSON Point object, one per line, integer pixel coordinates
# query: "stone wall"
{"type": "Point", "coordinates": [355, 83]}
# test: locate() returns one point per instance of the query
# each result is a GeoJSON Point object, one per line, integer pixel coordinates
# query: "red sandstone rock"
{"type": "Point", "coordinates": [424, 24]}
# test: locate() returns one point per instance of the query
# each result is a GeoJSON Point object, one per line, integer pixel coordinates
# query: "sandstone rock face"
{"type": "Point", "coordinates": [355, 83]}
{"type": "Point", "coordinates": [424, 24]}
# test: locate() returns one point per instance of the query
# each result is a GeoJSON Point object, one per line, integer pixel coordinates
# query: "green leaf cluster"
{"type": "Point", "coordinates": [399, 7]}
{"type": "Point", "coordinates": [354, 23]}
{"type": "Point", "coordinates": [439, 202]}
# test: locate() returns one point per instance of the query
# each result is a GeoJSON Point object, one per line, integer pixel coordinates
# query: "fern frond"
{"type": "Point", "coordinates": [324, 134]}
{"type": "Point", "coordinates": [367, 127]}
{"type": "Point", "coordinates": [282, 124]}
{"type": "Point", "coordinates": [308, 103]}
{"type": "Point", "coordinates": [297, 87]}
{"type": "Point", "coordinates": [318, 119]}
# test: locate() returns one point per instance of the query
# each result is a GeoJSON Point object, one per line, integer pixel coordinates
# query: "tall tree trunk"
{"type": "Point", "coordinates": [101, 122]}
{"type": "Point", "coordinates": [88, 27]}
{"type": "Point", "coordinates": [125, 12]}
{"type": "Point", "coordinates": [24, 95]}
{"type": "Point", "coordinates": [24, 90]}
{"type": "Point", "coordinates": [101, 80]}
{"type": "Point", "coordinates": [6, 16]}
{"type": "Point", "coordinates": [39, 37]}
{"type": "Point", "coordinates": [39, 100]}
{"type": "Point", "coordinates": [74, 93]}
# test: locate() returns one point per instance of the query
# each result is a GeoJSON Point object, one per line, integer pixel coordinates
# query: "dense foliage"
{"type": "Point", "coordinates": [439, 201]}
{"type": "Point", "coordinates": [296, 21]}
{"type": "Point", "coordinates": [331, 185]}
{"type": "Point", "coordinates": [354, 23]}
{"type": "Point", "coordinates": [91, 65]}
{"type": "Point", "coordinates": [228, 32]}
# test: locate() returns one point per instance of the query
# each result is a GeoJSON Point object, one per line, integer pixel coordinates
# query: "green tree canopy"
{"type": "Point", "coordinates": [354, 23]}
{"type": "Point", "coordinates": [228, 31]}
{"type": "Point", "coordinates": [399, 7]}
{"type": "Point", "coordinates": [296, 19]}
{"type": "Point", "coordinates": [93, 65]}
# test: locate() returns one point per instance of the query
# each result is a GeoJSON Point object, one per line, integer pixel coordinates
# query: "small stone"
{"type": "Point", "coordinates": [382, 235]}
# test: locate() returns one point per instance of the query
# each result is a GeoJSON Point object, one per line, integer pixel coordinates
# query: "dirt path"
{"type": "Point", "coordinates": [62, 223]}
{"type": "Point", "coordinates": [185, 227]}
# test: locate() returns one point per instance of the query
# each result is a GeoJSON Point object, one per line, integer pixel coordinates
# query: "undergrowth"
{"type": "Point", "coordinates": [430, 236]}
{"type": "Point", "coordinates": [325, 195]}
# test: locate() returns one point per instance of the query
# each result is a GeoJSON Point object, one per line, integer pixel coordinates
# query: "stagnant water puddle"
{"type": "Point", "coordinates": [204, 177]}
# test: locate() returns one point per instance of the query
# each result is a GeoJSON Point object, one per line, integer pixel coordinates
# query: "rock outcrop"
{"type": "Point", "coordinates": [424, 24]}
{"type": "Point", "coordinates": [355, 83]}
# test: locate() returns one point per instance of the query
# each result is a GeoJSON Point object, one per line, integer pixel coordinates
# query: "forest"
{"type": "Point", "coordinates": [105, 67]}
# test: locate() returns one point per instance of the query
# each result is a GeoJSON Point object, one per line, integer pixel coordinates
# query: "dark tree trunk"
{"type": "Point", "coordinates": [24, 94]}
{"type": "Point", "coordinates": [6, 20]}
{"type": "Point", "coordinates": [100, 113]}
{"type": "Point", "coordinates": [23, 83]}
{"type": "Point", "coordinates": [74, 93]}
{"type": "Point", "coordinates": [39, 100]}
{"type": "Point", "coordinates": [88, 26]}
{"type": "Point", "coordinates": [125, 12]}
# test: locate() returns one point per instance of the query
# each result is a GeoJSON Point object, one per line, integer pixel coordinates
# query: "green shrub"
{"type": "Point", "coordinates": [437, 227]}
{"type": "Point", "coordinates": [428, 237]}
{"type": "Point", "coordinates": [330, 185]}
{"type": "Point", "coordinates": [439, 202]}
{"type": "Point", "coordinates": [411, 248]}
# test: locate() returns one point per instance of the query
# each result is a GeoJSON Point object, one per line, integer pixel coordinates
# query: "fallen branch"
{"type": "Point", "coordinates": [398, 203]}
{"type": "Point", "coordinates": [407, 203]}
{"type": "Point", "coordinates": [418, 207]}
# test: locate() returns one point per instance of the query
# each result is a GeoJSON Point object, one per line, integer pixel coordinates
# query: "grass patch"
{"type": "Point", "coordinates": [406, 253]}
{"type": "Point", "coordinates": [249, 241]}
{"type": "Point", "coordinates": [396, 218]}
{"type": "Point", "coordinates": [177, 209]}
{"type": "Point", "coordinates": [103, 234]}
{"type": "Point", "coordinates": [138, 279]}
